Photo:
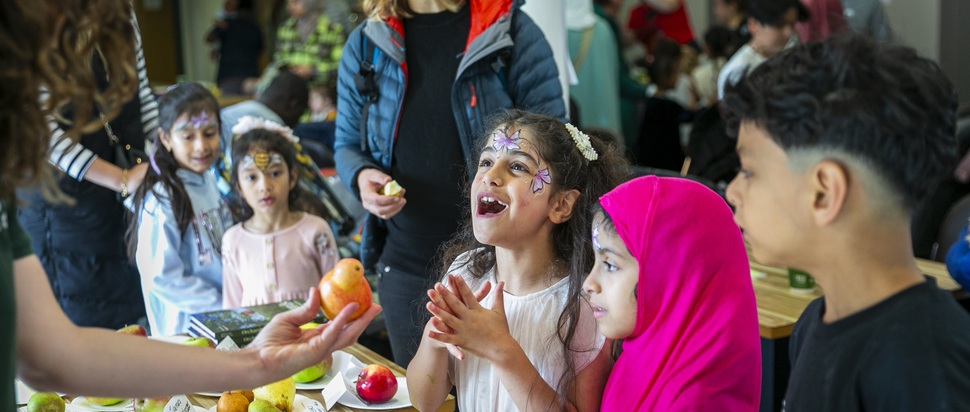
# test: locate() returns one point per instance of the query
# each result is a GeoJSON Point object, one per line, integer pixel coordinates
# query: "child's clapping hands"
{"type": "Point", "coordinates": [460, 321]}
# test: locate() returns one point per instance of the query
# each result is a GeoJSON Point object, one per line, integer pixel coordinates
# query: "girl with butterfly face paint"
{"type": "Point", "coordinates": [277, 252]}
{"type": "Point", "coordinates": [524, 248]}
{"type": "Point", "coordinates": [180, 217]}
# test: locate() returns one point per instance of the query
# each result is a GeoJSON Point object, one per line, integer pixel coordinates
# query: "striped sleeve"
{"type": "Point", "coordinates": [72, 157]}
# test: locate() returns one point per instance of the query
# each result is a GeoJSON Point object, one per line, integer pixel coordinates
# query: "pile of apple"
{"type": "Point", "coordinates": [274, 397]}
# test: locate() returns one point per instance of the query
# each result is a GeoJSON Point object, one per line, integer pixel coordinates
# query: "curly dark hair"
{"type": "Point", "coordinates": [185, 98]}
{"type": "Point", "coordinates": [572, 239]}
{"type": "Point", "coordinates": [46, 48]}
{"type": "Point", "coordinates": [269, 142]}
{"type": "Point", "coordinates": [882, 104]}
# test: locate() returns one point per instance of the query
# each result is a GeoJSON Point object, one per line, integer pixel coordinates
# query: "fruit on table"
{"type": "Point", "coordinates": [392, 188]}
{"type": "Point", "coordinates": [376, 384]}
{"type": "Point", "coordinates": [45, 402]}
{"type": "Point", "coordinates": [152, 404]}
{"type": "Point", "coordinates": [103, 401]}
{"type": "Point", "coordinates": [232, 402]}
{"type": "Point", "coordinates": [200, 341]}
{"type": "Point", "coordinates": [136, 330]}
{"type": "Point", "coordinates": [260, 405]}
{"type": "Point", "coordinates": [343, 285]}
{"type": "Point", "coordinates": [247, 393]}
{"type": "Point", "coordinates": [280, 394]}
{"type": "Point", "coordinates": [314, 372]}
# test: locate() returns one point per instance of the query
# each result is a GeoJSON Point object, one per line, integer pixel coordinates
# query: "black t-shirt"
{"type": "Point", "coordinates": [428, 158]}
{"type": "Point", "coordinates": [910, 352]}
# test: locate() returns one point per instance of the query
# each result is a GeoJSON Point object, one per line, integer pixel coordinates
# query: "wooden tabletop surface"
{"type": "Point", "coordinates": [366, 356]}
{"type": "Point", "coordinates": [779, 307]}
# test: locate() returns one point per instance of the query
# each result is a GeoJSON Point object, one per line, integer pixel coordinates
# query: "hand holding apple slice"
{"type": "Point", "coordinates": [392, 188]}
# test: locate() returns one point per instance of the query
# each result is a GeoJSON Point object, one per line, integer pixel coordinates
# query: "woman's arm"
{"type": "Point", "coordinates": [55, 355]}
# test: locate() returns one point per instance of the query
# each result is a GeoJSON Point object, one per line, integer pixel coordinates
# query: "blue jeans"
{"type": "Point", "coordinates": [403, 296]}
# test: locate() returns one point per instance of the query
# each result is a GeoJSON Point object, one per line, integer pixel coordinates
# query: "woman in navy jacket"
{"type": "Point", "coordinates": [424, 77]}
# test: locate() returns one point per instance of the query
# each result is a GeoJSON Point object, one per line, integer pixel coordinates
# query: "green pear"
{"type": "Point", "coordinates": [103, 401]}
{"type": "Point", "coordinates": [45, 402]}
{"type": "Point", "coordinates": [262, 405]}
{"type": "Point", "coordinates": [152, 404]}
{"type": "Point", "coordinates": [314, 372]}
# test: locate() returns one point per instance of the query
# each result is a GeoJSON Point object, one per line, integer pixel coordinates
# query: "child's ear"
{"type": "Point", "coordinates": [562, 207]}
{"type": "Point", "coordinates": [753, 26]}
{"type": "Point", "coordinates": [164, 138]}
{"type": "Point", "coordinates": [294, 175]}
{"type": "Point", "coordinates": [830, 182]}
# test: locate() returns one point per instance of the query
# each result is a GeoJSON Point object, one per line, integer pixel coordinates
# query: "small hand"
{"type": "Point", "coordinates": [302, 70]}
{"type": "Point", "coordinates": [477, 329]}
{"type": "Point", "coordinates": [369, 182]}
{"type": "Point", "coordinates": [284, 348]}
{"type": "Point", "coordinates": [436, 301]}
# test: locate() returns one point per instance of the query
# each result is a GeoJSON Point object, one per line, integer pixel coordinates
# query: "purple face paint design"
{"type": "Point", "coordinates": [540, 180]}
{"type": "Point", "coordinates": [501, 140]}
{"type": "Point", "coordinates": [202, 119]}
{"type": "Point", "coordinates": [596, 235]}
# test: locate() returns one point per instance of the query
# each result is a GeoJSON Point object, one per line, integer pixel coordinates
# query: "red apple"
{"type": "Point", "coordinates": [137, 330]}
{"type": "Point", "coordinates": [343, 285]}
{"type": "Point", "coordinates": [376, 384]}
{"type": "Point", "coordinates": [200, 341]}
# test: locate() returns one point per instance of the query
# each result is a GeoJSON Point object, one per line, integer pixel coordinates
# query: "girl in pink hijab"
{"type": "Point", "coordinates": [672, 281]}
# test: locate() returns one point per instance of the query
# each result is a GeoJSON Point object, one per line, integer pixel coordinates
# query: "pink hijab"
{"type": "Point", "coordinates": [695, 346]}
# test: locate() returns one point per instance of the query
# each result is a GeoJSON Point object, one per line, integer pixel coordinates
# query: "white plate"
{"type": "Point", "coordinates": [82, 404]}
{"type": "Point", "coordinates": [300, 404]}
{"type": "Point", "coordinates": [342, 361]}
{"type": "Point", "coordinates": [400, 399]}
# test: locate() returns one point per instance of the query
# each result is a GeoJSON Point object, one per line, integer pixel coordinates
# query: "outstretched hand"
{"type": "Point", "coordinates": [469, 325]}
{"type": "Point", "coordinates": [284, 348]}
{"type": "Point", "coordinates": [436, 301]}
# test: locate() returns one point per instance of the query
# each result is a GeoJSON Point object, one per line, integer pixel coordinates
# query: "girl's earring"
{"type": "Point", "coordinates": [168, 148]}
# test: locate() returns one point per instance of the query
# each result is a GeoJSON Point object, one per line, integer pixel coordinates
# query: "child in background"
{"type": "Point", "coordinates": [672, 281]}
{"type": "Point", "coordinates": [839, 142]}
{"type": "Point", "coordinates": [179, 215]}
{"type": "Point", "coordinates": [278, 252]}
{"type": "Point", "coordinates": [772, 27]}
{"type": "Point", "coordinates": [528, 233]}
{"type": "Point", "coordinates": [719, 44]}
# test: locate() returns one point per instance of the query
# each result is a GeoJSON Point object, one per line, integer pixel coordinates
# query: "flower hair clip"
{"type": "Point", "coordinates": [582, 143]}
{"type": "Point", "coordinates": [247, 123]}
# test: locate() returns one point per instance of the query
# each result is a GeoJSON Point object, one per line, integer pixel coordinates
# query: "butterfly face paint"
{"type": "Point", "coordinates": [501, 140]}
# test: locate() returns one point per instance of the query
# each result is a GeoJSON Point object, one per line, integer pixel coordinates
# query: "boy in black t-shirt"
{"type": "Point", "coordinates": [838, 143]}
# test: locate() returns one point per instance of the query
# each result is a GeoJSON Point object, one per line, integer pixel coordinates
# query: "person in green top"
{"type": "Point", "coordinates": [309, 44]}
{"type": "Point", "coordinates": [45, 45]}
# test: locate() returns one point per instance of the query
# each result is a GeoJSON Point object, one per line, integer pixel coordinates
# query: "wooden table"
{"type": "Point", "coordinates": [361, 352]}
{"type": "Point", "coordinates": [779, 308]}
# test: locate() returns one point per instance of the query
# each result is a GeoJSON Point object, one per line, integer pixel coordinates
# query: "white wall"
{"type": "Point", "coordinates": [195, 19]}
{"type": "Point", "coordinates": [916, 23]}
{"type": "Point", "coordinates": [550, 16]}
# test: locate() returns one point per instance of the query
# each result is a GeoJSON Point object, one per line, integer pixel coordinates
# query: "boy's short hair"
{"type": "Point", "coordinates": [771, 12]}
{"type": "Point", "coordinates": [879, 105]}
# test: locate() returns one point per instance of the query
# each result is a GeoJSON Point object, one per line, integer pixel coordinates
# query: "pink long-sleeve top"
{"type": "Point", "coordinates": [273, 267]}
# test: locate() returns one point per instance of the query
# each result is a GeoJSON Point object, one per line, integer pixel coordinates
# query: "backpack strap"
{"type": "Point", "coordinates": [366, 85]}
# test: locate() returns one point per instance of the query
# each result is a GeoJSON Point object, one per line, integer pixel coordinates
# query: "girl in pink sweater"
{"type": "Point", "coordinates": [277, 253]}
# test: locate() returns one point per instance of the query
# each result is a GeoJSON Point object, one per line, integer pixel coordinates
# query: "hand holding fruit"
{"type": "Point", "coordinates": [286, 349]}
{"type": "Point", "coordinates": [370, 183]}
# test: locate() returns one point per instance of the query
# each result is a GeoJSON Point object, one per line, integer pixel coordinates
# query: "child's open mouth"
{"type": "Point", "coordinates": [490, 206]}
